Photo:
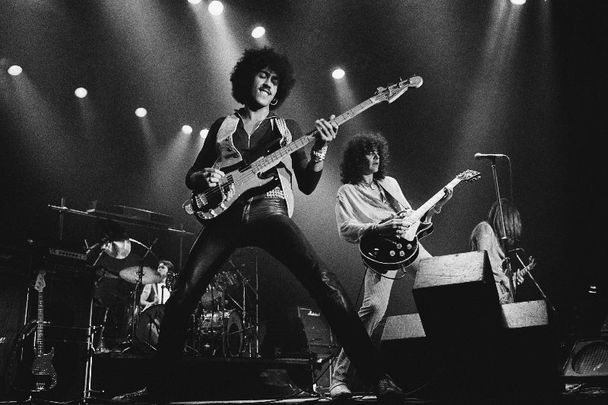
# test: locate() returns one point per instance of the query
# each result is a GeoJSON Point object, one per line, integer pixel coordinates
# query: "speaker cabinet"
{"type": "Point", "coordinates": [315, 337]}
{"type": "Point", "coordinates": [588, 361]}
{"type": "Point", "coordinates": [486, 349]}
{"type": "Point", "coordinates": [456, 297]}
{"type": "Point", "coordinates": [314, 340]}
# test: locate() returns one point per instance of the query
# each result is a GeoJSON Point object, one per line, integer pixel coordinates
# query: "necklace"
{"type": "Point", "coordinates": [371, 185]}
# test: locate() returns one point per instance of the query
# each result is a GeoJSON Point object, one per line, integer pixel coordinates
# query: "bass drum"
{"type": "Point", "coordinates": [233, 335]}
{"type": "Point", "coordinates": [220, 333]}
{"type": "Point", "coordinates": [148, 326]}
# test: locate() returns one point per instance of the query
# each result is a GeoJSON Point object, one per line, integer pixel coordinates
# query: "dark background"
{"type": "Point", "coordinates": [524, 81]}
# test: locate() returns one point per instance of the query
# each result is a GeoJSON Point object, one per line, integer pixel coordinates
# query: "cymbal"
{"type": "Point", "coordinates": [118, 249]}
{"type": "Point", "coordinates": [149, 276]}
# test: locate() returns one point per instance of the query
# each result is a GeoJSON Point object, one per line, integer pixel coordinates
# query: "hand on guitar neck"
{"type": "Point", "coordinates": [518, 276]}
{"type": "Point", "coordinates": [393, 243]}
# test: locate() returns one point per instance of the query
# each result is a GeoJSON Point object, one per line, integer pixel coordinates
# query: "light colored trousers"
{"type": "Point", "coordinates": [376, 294]}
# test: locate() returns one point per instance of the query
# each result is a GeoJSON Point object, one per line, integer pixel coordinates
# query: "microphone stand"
{"type": "Point", "coordinates": [503, 230]}
{"type": "Point", "coordinates": [504, 240]}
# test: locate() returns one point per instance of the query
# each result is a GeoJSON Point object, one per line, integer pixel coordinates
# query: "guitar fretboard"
{"type": "Point", "coordinates": [269, 161]}
{"type": "Point", "coordinates": [40, 325]}
{"type": "Point", "coordinates": [419, 213]}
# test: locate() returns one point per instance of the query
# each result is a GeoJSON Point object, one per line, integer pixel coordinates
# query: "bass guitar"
{"type": "Point", "coordinates": [45, 376]}
{"type": "Point", "coordinates": [384, 253]}
{"type": "Point", "coordinates": [243, 178]}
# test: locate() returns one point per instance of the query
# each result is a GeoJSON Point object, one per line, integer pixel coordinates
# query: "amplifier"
{"type": "Point", "coordinates": [311, 326]}
{"type": "Point", "coordinates": [314, 340]}
{"type": "Point", "coordinates": [68, 254]}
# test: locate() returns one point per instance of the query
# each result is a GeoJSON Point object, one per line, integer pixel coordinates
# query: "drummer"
{"type": "Point", "coordinates": [157, 293]}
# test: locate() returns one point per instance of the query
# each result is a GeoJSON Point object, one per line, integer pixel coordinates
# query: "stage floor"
{"type": "Point", "coordinates": [300, 381]}
{"type": "Point", "coordinates": [586, 396]}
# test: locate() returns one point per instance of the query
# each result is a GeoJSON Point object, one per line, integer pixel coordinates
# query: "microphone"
{"type": "Point", "coordinates": [489, 155]}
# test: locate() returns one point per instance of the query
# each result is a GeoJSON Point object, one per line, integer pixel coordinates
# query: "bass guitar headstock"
{"type": "Point", "coordinates": [393, 91]}
{"type": "Point", "coordinates": [40, 282]}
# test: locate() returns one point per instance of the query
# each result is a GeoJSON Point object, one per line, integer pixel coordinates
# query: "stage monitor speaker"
{"type": "Point", "coordinates": [519, 361]}
{"type": "Point", "coordinates": [456, 297]}
{"type": "Point", "coordinates": [587, 361]}
{"type": "Point", "coordinates": [479, 343]}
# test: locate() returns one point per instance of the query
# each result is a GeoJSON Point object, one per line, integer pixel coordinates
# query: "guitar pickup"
{"type": "Point", "coordinates": [201, 200]}
{"type": "Point", "coordinates": [188, 209]}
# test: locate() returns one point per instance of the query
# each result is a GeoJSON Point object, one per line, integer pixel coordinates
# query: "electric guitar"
{"type": "Point", "coordinates": [242, 178]}
{"type": "Point", "coordinates": [517, 276]}
{"type": "Point", "coordinates": [384, 253]}
{"type": "Point", "coordinates": [45, 376]}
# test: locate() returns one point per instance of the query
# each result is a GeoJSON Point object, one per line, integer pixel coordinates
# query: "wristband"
{"type": "Point", "coordinates": [318, 155]}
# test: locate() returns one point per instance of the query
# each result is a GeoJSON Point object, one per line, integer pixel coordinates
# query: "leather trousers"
{"type": "Point", "coordinates": [264, 223]}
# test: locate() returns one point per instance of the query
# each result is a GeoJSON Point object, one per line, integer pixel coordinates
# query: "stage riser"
{"type": "Point", "coordinates": [203, 379]}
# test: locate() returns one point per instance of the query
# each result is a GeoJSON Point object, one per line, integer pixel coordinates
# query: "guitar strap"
{"type": "Point", "coordinates": [280, 123]}
{"type": "Point", "coordinates": [395, 203]}
{"type": "Point", "coordinates": [230, 155]}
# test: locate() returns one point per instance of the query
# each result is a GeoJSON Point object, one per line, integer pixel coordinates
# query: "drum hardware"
{"type": "Point", "coordinates": [223, 322]}
{"type": "Point", "coordinates": [136, 275]}
{"type": "Point", "coordinates": [99, 329]}
{"type": "Point", "coordinates": [107, 258]}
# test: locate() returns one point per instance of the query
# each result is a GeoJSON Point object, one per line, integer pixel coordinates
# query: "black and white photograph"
{"type": "Point", "coordinates": [347, 202]}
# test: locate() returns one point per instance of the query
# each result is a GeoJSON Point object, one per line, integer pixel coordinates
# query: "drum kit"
{"type": "Point", "coordinates": [222, 324]}
{"type": "Point", "coordinates": [218, 327]}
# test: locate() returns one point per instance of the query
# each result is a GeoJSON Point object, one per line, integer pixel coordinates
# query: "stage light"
{"type": "Point", "coordinates": [216, 7]}
{"type": "Point", "coordinates": [187, 129]}
{"type": "Point", "coordinates": [258, 32]}
{"type": "Point", "coordinates": [518, 2]}
{"type": "Point", "coordinates": [204, 132]}
{"type": "Point", "coordinates": [14, 70]}
{"type": "Point", "coordinates": [81, 92]}
{"type": "Point", "coordinates": [338, 73]}
{"type": "Point", "coordinates": [141, 112]}
{"type": "Point", "coordinates": [194, 1]}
